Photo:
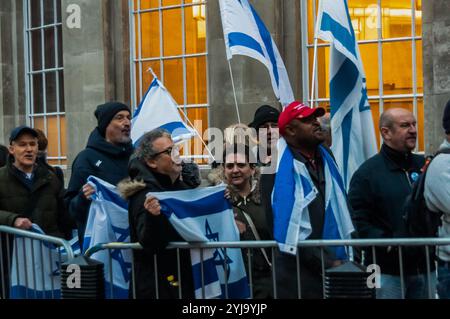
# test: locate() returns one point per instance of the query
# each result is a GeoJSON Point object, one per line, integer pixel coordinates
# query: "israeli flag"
{"type": "Point", "coordinates": [108, 222]}
{"type": "Point", "coordinates": [158, 110]}
{"type": "Point", "coordinates": [202, 215]}
{"type": "Point", "coordinates": [246, 34]}
{"type": "Point", "coordinates": [292, 193]}
{"type": "Point", "coordinates": [352, 127]}
{"type": "Point", "coordinates": [35, 269]}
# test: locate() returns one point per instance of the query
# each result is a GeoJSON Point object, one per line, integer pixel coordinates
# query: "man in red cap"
{"type": "Point", "coordinates": [302, 132]}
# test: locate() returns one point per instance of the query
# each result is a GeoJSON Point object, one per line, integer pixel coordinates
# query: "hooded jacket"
{"type": "Point", "coordinates": [154, 233]}
{"type": "Point", "coordinates": [101, 159]}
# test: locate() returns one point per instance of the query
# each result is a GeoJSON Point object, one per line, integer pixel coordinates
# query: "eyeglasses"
{"type": "Point", "coordinates": [239, 165]}
{"type": "Point", "coordinates": [169, 151]}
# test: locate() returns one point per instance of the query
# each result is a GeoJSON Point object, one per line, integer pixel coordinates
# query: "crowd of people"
{"type": "Point", "coordinates": [32, 191]}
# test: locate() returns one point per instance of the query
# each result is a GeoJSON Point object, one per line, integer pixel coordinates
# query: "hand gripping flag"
{"type": "Point", "coordinates": [202, 215]}
{"type": "Point", "coordinates": [246, 34]}
{"type": "Point", "coordinates": [292, 193]}
{"type": "Point", "coordinates": [352, 127]}
{"type": "Point", "coordinates": [158, 110]}
{"type": "Point", "coordinates": [35, 269]}
{"type": "Point", "coordinates": [108, 222]}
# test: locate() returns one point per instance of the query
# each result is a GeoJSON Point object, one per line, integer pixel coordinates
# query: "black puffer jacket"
{"type": "Point", "coordinates": [377, 193]}
{"type": "Point", "coordinates": [154, 233]}
{"type": "Point", "coordinates": [100, 159]}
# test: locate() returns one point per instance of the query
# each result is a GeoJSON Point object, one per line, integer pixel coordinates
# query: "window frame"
{"type": "Point", "coordinates": [44, 71]}
{"type": "Point", "coordinates": [136, 59]}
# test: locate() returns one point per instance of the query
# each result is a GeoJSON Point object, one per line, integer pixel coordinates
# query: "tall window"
{"type": "Point", "coordinates": [389, 34]}
{"type": "Point", "coordinates": [169, 36]}
{"type": "Point", "coordinates": [44, 74]}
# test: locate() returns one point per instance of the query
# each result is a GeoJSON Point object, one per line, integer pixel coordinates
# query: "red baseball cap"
{"type": "Point", "coordinates": [297, 110]}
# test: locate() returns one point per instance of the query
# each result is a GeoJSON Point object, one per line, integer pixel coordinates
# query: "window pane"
{"type": "Point", "coordinates": [418, 5]}
{"type": "Point", "coordinates": [147, 77]}
{"type": "Point", "coordinates": [322, 76]}
{"type": "Point", "coordinates": [172, 32]}
{"type": "Point", "coordinates": [173, 79]}
{"type": "Point", "coordinates": [60, 47]}
{"type": "Point", "coordinates": [419, 66]}
{"type": "Point", "coordinates": [397, 68]}
{"type": "Point", "coordinates": [49, 12]}
{"type": "Point", "coordinates": [36, 46]}
{"type": "Point", "coordinates": [35, 12]}
{"type": "Point", "coordinates": [49, 41]}
{"type": "Point", "coordinates": [62, 107]}
{"type": "Point", "coordinates": [375, 108]}
{"type": "Point", "coordinates": [369, 55]}
{"type": "Point", "coordinates": [195, 26]}
{"type": "Point", "coordinates": [364, 16]}
{"type": "Point", "coordinates": [196, 82]}
{"type": "Point", "coordinates": [39, 123]}
{"type": "Point", "coordinates": [170, 2]}
{"type": "Point", "coordinates": [149, 35]}
{"type": "Point", "coordinates": [146, 4]}
{"type": "Point", "coordinates": [312, 13]}
{"type": "Point", "coordinates": [50, 91]}
{"type": "Point", "coordinates": [38, 99]}
{"type": "Point", "coordinates": [397, 18]}
{"type": "Point", "coordinates": [52, 136]}
{"type": "Point", "coordinates": [58, 11]}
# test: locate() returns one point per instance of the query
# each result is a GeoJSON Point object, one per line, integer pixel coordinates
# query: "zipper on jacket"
{"type": "Point", "coordinates": [407, 178]}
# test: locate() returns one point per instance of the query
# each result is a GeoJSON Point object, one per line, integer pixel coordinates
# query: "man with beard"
{"type": "Point", "coordinates": [106, 156]}
{"type": "Point", "coordinates": [302, 132]}
{"type": "Point", "coordinates": [377, 193]}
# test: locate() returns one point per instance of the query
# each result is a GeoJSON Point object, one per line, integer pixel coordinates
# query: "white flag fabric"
{"type": "Point", "coordinates": [35, 267]}
{"type": "Point", "coordinates": [246, 34]}
{"type": "Point", "coordinates": [108, 222]}
{"type": "Point", "coordinates": [158, 110]}
{"type": "Point", "coordinates": [202, 215]}
{"type": "Point", "coordinates": [352, 126]}
{"type": "Point", "coordinates": [292, 193]}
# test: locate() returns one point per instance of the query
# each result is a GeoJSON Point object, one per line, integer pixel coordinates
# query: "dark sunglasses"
{"type": "Point", "coordinates": [167, 151]}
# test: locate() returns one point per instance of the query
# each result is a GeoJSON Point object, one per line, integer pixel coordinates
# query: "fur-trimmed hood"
{"type": "Point", "coordinates": [129, 187]}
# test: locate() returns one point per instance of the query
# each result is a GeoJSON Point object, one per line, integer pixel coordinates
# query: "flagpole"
{"type": "Point", "coordinates": [234, 92]}
{"type": "Point", "coordinates": [314, 59]}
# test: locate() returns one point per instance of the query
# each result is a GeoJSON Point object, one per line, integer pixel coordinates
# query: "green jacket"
{"type": "Point", "coordinates": [42, 202]}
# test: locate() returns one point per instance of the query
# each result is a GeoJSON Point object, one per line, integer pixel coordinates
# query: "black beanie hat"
{"type": "Point", "coordinates": [106, 112]}
{"type": "Point", "coordinates": [264, 114]}
{"type": "Point", "coordinates": [446, 118]}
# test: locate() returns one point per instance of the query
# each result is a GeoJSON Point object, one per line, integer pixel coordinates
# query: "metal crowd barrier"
{"type": "Point", "coordinates": [30, 269]}
{"type": "Point", "coordinates": [426, 243]}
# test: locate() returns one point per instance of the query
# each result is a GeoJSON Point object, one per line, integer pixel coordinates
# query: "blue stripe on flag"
{"type": "Point", "coordinates": [179, 126]}
{"type": "Point", "coordinates": [346, 131]}
{"type": "Point", "coordinates": [209, 273]}
{"type": "Point", "coordinates": [208, 205]}
{"type": "Point", "coordinates": [339, 32]}
{"type": "Point", "coordinates": [237, 289]}
{"type": "Point", "coordinates": [242, 39]}
{"type": "Point", "coordinates": [284, 203]}
{"type": "Point", "coordinates": [343, 84]}
{"type": "Point", "coordinates": [331, 231]}
{"type": "Point", "coordinates": [19, 292]}
{"type": "Point", "coordinates": [335, 175]}
{"type": "Point", "coordinates": [267, 39]}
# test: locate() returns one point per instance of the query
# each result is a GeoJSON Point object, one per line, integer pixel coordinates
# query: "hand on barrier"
{"type": "Point", "coordinates": [23, 223]}
{"type": "Point", "coordinates": [151, 204]}
{"type": "Point", "coordinates": [88, 191]}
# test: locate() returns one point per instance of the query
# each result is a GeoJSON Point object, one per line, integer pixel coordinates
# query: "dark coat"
{"type": "Point", "coordinates": [41, 202]}
{"type": "Point", "coordinates": [310, 258]}
{"type": "Point", "coordinates": [100, 159]}
{"type": "Point", "coordinates": [154, 233]}
{"type": "Point", "coordinates": [377, 193]}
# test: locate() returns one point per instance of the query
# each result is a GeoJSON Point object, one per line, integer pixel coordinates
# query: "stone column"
{"type": "Point", "coordinates": [96, 65]}
{"type": "Point", "coordinates": [251, 78]}
{"type": "Point", "coordinates": [436, 69]}
{"type": "Point", "coordinates": [12, 68]}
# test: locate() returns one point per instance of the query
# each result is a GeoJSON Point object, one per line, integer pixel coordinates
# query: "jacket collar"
{"type": "Point", "coordinates": [397, 160]}
{"type": "Point", "coordinates": [98, 142]}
